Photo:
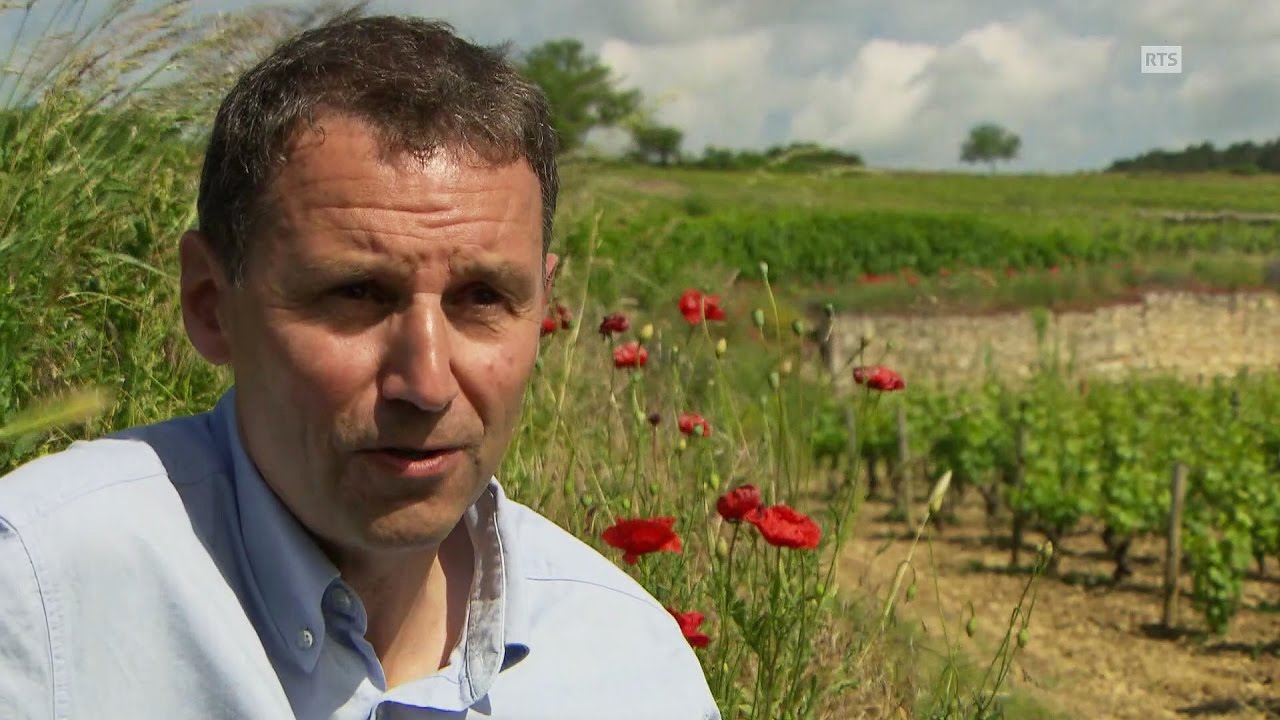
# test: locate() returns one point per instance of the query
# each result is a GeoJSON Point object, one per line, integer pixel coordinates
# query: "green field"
{"type": "Point", "coordinates": [920, 242]}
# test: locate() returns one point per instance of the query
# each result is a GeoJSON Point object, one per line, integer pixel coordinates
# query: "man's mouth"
{"type": "Point", "coordinates": [409, 462]}
{"type": "Point", "coordinates": [413, 453]}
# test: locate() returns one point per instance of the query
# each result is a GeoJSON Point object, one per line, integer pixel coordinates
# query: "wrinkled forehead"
{"type": "Point", "coordinates": [340, 182]}
{"type": "Point", "coordinates": [340, 158]}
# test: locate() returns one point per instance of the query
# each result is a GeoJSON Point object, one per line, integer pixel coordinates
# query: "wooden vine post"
{"type": "Point", "coordinates": [1018, 481]}
{"type": "Point", "coordinates": [1173, 546]}
{"type": "Point", "coordinates": [904, 469]}
{"type": "Point", "coordinates": [827, 348]}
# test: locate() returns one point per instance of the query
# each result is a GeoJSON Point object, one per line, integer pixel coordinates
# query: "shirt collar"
{"type": "Point", "coordinates": [291, 574]}
{"type": "Point", "coordinates": [493, 543]}
{"type": "Point", "coordinates": [288, 570]}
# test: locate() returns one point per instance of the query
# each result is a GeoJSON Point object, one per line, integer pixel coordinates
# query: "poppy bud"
{"type": "Point", "coordinates": [681, 444]}
{"type": "Point", "coordinates": [722, 346]}
{"type": "Point", "coordinates": [775, 380]}
{"type": "Point", "coordinates": [1023, 637]}
{"type": "Point", "coordinates": [757, 318]}
{"type": "Point", "coordinates": [911, 592]}
{"type": "Point", "coordinates": [646, 333]}
{"type": "Point", "coordinates": [537, 363]}
{"type": "Point", "coordinates": [713, 481]}
{"type": "Point", "coordinates": [797, 327]}
{"type": "Point", "coordinates": [626, 504]}
{"type": "Point", "coordinates": [971, 627]}
{"type": "Point", "coordinates": [722, 548]}
{"type": "Point", "coordinates": [641, 416]}
{"type": "Point", "coordinates": [653, 488]}
{"type": "Point", "coordinates": [764, 270]}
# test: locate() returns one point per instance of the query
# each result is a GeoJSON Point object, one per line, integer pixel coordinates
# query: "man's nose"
{"type": "Point", "coordinates": [418, 367]}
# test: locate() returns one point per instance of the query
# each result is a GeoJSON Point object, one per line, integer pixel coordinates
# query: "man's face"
{"type": "Point", "coordinates": [387, 327]}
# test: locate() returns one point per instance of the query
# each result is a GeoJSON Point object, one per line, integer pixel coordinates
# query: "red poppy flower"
{"type": "Point", "coordinates": [873, 279]}
{"type": "Point", "coordinates": [548, 325]}
{"type": "Point", "coordinates": [642, 536]}
{"type": "Point", "coordinates": [783, 527]}
{"type": "Point", "coordinates": [878, 377]}
{"type": "Point", "coordinates": [615, 323]}
{"type": "Point", "coordinates": [735, 504]}
{"type": "Point", "coordinates": [690, 422]}
{"type": "Point", "coordinates": [630, 355]}
{"type": "Point", "coordinates": [565, 315]}
{"type": "Point", "coordinates": [694, 306]}
{"type": "Point", "coordinates": [689, 623]}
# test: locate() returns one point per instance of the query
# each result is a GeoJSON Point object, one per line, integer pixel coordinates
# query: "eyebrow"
{"type": "Point", "coordinates": [496, 271]}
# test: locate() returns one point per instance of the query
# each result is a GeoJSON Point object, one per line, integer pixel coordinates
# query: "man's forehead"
{"type": "Point", "coordinates": [348, 137]}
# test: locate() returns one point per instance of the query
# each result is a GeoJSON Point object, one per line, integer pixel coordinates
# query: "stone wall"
{"type": "Point", "coordinates": [1181, 333]}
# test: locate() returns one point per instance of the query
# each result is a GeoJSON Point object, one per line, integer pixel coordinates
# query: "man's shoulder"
{"type": "Point", "coordinates": [550, 554]}
{"type": "Point", "coordinates": [125, 467]}
{"type": "Point", "coordinates": [595, 632]}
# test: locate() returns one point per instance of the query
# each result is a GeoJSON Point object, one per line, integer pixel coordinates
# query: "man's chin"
{"type": "Point", "coordinates": [416, 526]}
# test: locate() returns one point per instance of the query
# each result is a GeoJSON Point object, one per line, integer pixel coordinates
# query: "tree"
{"type": "Point", "coordinates": [582, 91]}
{"type": "Point", "coordinates": [989, 143]}
{"type": "Point", "coordinates": [656, 143]}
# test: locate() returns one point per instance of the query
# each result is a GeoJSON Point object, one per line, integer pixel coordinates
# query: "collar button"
{"type": "Point", "coordinates": [306, 639]}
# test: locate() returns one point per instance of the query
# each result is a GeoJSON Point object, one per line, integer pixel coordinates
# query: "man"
{"type": "Point", "coordinates": [328, 542]}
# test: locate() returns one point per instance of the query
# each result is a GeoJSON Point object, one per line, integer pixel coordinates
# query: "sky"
{"type": "Point", "coordinates": [901, 82]}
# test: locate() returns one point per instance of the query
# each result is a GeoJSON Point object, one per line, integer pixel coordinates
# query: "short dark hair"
{"type": "Point", "coordinates": [419, 86]}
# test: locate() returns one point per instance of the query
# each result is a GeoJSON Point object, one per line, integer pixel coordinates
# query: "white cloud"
{"type": "Point", "coordinates": [873, 100]}
{"type": "Point", "coordinates": [718, 89]}
{"type": "Point", "coordinates": [901, 82]}
{"type": "Point", "coordinates": [904, 103]}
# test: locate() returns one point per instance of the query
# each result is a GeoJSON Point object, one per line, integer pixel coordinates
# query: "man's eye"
{"type": "Point", "coordinates": [356, 291]}
{"type": "Point", "coordinates": [483, 295]}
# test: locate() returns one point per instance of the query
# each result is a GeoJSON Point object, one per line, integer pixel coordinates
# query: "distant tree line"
{"type": "Point", "coordinates": [1242, 157]}
{"type": "Point", "coordinates": [585, 94]}
{"type": "Point", "coordinates": [796, 156]}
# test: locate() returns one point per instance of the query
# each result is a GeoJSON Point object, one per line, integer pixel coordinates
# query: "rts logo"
{"type": "Point", "coordinates": [1162, 59]}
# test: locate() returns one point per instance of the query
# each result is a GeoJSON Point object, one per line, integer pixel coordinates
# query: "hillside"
{"type": "Point", "coordinates": [928, 241]}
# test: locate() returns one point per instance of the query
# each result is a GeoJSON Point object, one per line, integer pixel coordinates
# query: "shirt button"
{"type": "Point", "coordinates": [306, 639]}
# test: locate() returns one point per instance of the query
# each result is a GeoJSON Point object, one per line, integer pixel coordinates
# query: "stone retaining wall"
{"type": "Point", "coordinates": [1181, 333]}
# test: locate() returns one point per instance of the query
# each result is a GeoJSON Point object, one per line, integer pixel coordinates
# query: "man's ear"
{"type": "Point", "coordinates": [550, 273]}
{"type": "Point", "coordinates": [203, 289]}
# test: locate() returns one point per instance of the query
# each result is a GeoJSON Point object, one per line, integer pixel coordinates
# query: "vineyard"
{"type": "Point", "coordinates": [1054, 457]}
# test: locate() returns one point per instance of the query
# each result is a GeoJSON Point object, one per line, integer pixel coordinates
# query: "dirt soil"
{"type": "Point", "coordinates": [1095, 651]}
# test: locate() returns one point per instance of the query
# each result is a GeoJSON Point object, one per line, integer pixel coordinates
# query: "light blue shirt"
{"type": "Point", "coordinates": [153, 574]}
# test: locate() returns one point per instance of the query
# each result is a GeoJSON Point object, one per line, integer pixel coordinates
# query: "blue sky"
{"type": "Point", "coordinates": [901, 82]}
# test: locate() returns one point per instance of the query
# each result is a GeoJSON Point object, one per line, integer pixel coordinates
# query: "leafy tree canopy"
{"type": "Point", "coordinates": [583, 92]}
{"type": "Point", "coordinates": [989, 143]}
